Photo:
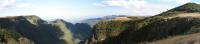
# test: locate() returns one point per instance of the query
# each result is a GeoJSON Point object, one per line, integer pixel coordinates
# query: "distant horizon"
{"type": "Point", "coordinates": [77, 10]}
{"type": "Point", "coordinates": [52, 19]}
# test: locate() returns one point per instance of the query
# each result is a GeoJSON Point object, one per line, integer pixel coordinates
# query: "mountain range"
{"type": "Point", "coordinates": [93, 21]}
{"type": "Point", "coordinates": [38, 31]}
{"type": "Point", "coordinates": [180, 25]}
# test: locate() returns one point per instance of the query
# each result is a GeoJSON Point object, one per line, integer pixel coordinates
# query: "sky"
{"type": "Point", "coordinates": [77, 10]}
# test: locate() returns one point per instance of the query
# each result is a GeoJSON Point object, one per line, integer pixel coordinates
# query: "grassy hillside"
{"type": "Point", "coordinates": [110, 28]}
{"type": "Point", "coordinates": [184, 39]}
{"type": "Point", "coordinates": [182, 20]}
{"type": "Point", "coordinates": [38, 30]}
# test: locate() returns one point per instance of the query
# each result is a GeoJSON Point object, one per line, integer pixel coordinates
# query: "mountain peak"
{"type": "Point", "coordinates": [188, 7]}
{"type": "Point", "coordinates": [34, 19]}
{"type": "Point", "coordinates": [58, 22]}
{"type": "Point", "coordinates": [185, 8]}
{"type": "Point", "coordinates": [31, 16]}
{"type": "Point", "coordinates": [191, 3]}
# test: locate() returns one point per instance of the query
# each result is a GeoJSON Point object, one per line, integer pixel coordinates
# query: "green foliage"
{"type": "Point", "coordinates": [4, 33]}
{"type": "Point", "coordinates": [35, 29]}
{"type": "Point", "coordinates": [109, 28]}
{"type": "Point", "coordinates": [7, 36]}
{"type": "Point", "coordinates": [156, 27]}
{"type": "Point", "coordinates": [161, 29]}
{"type": "Point", "coordinates": [111, 25]}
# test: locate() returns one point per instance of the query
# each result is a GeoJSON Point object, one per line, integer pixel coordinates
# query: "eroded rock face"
{"type": "Point", "coordinates": [79, 31]}
{"type": "Point", "coordinates": [65, 34]}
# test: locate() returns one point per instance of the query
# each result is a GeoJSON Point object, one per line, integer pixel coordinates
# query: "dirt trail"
{"type": "Point", "coordinates": [121, 19]}
{"type": "Point", "coordinates": [197, 15]}
{"type": "Point", "coordinates": [185, 39]}
{"type": "Point", "coordinates": [194, 15]}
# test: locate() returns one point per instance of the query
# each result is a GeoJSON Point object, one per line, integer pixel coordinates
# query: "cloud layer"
{"type": "Point", "coordinates": [82, 9]}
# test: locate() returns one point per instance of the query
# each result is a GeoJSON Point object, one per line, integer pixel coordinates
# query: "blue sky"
{"type": "Point", "coordinates": [76, 10]}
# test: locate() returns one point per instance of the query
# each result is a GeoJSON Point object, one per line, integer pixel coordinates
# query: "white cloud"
{"type": "Point", "coordinates": [6, 3]}
{"type": "Point", "coordinates": [178, 1]}
{"type": "Point", "coordinates": [135, 7]}
{"type": "Point", "coordinates": [9, 4]}
{"type": "Point", "coordinates": [182, 1]}
{"type": "Point", "coordinates": [122, 3]}
{"type": "Point", "coordinates": [141, 7]}
{"type": "Point", "coordinates": [24, 5]}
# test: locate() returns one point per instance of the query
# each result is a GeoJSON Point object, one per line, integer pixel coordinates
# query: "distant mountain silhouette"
{"type": "Point", "coordinates": [93, 21]}
{"type": "Point", "coordinates": [180, 25]}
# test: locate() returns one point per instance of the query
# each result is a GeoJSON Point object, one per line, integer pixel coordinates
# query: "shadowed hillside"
{"type": "Point", "coordinates": [8, 36]}
{"type": "Point", "coordinates": [81, 31]}
{"type": "Point", "coordinates": [37, 29]}
{"type": "Point", "coordinates": [110, 28]}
